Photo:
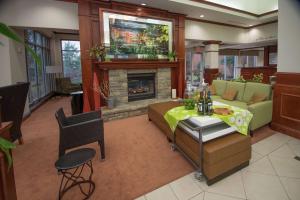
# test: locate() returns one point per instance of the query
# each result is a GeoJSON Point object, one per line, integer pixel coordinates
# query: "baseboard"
{"type": "Point", "coordinates": [41, 101]}
{"type": "Point", "coordinates": [286, 130]}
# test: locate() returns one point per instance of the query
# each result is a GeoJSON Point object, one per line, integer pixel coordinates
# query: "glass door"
{"type": "Point", "coordinates": [36, 73]}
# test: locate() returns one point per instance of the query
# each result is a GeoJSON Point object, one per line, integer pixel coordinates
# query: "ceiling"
{"type": "Point", "coordinates": [245, 13]}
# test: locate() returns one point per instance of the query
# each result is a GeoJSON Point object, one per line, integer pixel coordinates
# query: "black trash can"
{"type": "Point", "coordinates": [77, 102]}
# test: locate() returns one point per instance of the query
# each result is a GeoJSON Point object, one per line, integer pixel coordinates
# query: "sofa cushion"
{"type": "Point", "coordinates": [220, 86]}
{"type": "Point", "coordinates": [239, 87]}
{"type": "Point", "coordinates": [229, 94]}
{"type": "Point", "coordinates": [261, 88]}
{"type": "Point", "coordinates": [257, 97]}
{"type": "Point", "coordinates": [239, 104]}
{"type": "Point", "coordinates": [212, 90]}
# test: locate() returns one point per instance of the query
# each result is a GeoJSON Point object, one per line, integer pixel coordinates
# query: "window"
{"type": "Point", "coordinates": [248, 61]}
{"type": "Point", "coordinates": [71, 60]}
{"type": "Point", "coordinates": [227, 66]}
{"type": "Point", "coordinates": [39, 80]}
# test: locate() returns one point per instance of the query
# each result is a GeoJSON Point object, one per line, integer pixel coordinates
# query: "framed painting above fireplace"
{"type": "Point", "coordinates": [135, 37]}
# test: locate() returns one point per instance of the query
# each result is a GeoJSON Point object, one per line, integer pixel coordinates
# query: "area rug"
{"type": "Point", "coordinates": [138, 158]}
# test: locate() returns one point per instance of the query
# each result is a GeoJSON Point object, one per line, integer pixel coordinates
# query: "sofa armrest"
{"type": "Point", "coordinates": [262, 114]}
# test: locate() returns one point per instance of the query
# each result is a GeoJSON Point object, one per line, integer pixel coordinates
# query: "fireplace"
{"type": "Point", "coordinates": [141, 86]}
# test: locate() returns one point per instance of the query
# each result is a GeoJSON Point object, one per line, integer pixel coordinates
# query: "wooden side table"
{"type": "Point", "coordinates": [7, 178]}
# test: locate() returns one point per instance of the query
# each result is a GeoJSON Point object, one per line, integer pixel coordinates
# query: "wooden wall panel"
{"type": "Point", "coordinates": [248, 72]}
{"type": "Point", "coordinates": [210, 74]}
{"type": "Point", "coordinates": [91, 33]}
{"type": "Point", "coordinates": [286, 100]}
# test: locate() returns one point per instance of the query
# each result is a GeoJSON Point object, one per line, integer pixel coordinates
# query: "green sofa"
{"type": "Point", "coordinates": [262, 111]}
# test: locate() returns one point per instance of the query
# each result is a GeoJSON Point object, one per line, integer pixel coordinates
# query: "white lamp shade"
{"type": "Point", "coordinates": [53, 69]}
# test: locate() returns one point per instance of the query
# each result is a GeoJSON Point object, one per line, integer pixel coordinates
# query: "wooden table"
{"type": "Point", "coordinates": [7, 180]}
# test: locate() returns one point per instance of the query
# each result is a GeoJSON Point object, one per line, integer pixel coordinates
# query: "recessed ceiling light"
{"type": "Point", "coordinates": [143, 4]}
{"type": "Point", "coordinates": [250, 25]}
{"type": "Point", "coordinates": [201, 16]}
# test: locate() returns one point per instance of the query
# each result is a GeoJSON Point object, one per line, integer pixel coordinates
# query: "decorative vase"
{"type": "Point", "coordinates": [111, 102]}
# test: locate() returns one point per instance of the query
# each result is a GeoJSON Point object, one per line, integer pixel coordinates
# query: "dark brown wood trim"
{"type": "Point", "coordinates": [234, 9]}
{"type": "Point", "coordinates": [135, 64]}
{"type": "Point", "coordinates": [229, 25]}
{"type": "Point", "coordinates": [212, 42]}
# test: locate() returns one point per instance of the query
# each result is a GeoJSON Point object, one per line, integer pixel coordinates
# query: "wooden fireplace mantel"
{"type": "Point", "coordinates": [135, 64]}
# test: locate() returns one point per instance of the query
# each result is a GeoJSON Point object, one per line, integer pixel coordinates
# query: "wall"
{"type": "Point", "coordinates": [286, 115]}
{"type": "Point", "coordinates": [288, 36]}
{"type": "Point", "coordinates": [13, 63]}
{"type": "Point", "coordinates": [39, 13]}
{"type": "Point", "coordinates": [205, 31]}
{"type": "Point", "coordinates": [5, 75]}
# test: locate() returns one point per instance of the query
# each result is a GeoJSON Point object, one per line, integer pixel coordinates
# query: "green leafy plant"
{"type": "Point", "coordinates": [8, 32]}
{"type": "Point", "coordinates": [189, 104]}
{"type": "Point", "coordinates": [240, 79]}
{"type": "Point", "coordinates": [257, 78]}
{"type": "Point", "coordinates": [98, 52]}
{"type": "Point", "coordinates": [5, 145]}
{"type": "Point", "coordinates": [172, 55]}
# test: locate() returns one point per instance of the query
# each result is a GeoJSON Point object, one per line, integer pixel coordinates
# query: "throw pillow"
{"type": "Point", "coordinates": [229, 94]}
{"type": "Point", "coordinates": [257, 97]}
{"type": "Point", "coordinates": [212, 89]}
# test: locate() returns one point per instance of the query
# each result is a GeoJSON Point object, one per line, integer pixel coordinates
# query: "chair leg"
{"type": "Point", "coordinates": [102, 149]}
{"type": "Point", "coordinates": [20, 140]}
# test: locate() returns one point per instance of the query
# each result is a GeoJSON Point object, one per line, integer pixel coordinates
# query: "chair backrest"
{"type": "Point", "coordinates": [60, 117]}
{"type": "Point", "coordinates": [12, 106]}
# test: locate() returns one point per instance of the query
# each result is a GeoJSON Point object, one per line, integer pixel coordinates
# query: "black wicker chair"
{"type": "Point", "coordinates": [78, 130]}
{"type": "Point", "coordinates": [12, 107]}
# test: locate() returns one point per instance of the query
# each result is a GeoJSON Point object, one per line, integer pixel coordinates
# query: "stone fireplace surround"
{"type": "Point", "coordinates": [119, 88]}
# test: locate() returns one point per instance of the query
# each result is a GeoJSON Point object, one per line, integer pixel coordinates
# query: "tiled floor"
{"type": "Point", "coordinates": [273, 174]}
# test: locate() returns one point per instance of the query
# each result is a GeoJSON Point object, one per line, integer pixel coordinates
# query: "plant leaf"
{"type": "Point", "coordinates": [5, 146]}
{"type": "Point", "coordinates": [8, 32]}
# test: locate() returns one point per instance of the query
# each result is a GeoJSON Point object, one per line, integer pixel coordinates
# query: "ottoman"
{"type": "Point", "coordinates": [221, 157]}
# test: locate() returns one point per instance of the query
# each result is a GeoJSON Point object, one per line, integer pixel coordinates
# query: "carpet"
{"type": "Point", "coordinates": [138, 158]}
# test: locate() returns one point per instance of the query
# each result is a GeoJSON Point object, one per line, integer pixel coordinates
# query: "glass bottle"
{"type": "Point", "coordinates": [200, 104]}
{"type": "Point", "coordinates": [209, 104]}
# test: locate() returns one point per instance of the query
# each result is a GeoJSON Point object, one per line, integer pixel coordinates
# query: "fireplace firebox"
{"type": "Point", "coordinates": [141, 86]}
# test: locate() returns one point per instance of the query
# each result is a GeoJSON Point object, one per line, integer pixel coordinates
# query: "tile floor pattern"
{"type": "Point", "coordinates": [273, 174]}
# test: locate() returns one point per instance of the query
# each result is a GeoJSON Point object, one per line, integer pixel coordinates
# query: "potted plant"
{"type": "Point", "coordinates": [98, 52]}
{"type": "Point", "coordinates": [6, 146]}
{"type": "Point", "coordinates": [106, 94]}
{"type": "Point", "coordinates": [172, 56]}
{"type": "Point", "coordinates": [258, 78]}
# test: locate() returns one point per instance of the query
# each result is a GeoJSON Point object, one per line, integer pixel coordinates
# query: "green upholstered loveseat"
{"type": "Point", "coordinates": [262, 111]}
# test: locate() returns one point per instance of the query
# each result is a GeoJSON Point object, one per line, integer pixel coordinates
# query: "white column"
{"type": "Point", "coordinates": [211, 54]}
